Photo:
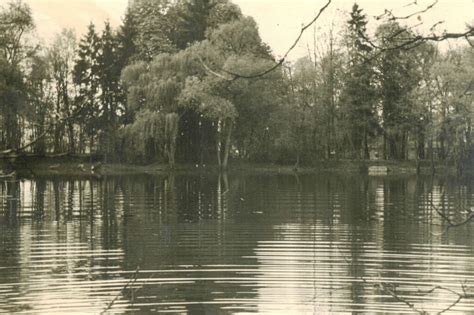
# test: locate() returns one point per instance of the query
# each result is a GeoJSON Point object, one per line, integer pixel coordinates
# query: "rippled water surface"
{"type": "Point", "coordinates": [215, 244]}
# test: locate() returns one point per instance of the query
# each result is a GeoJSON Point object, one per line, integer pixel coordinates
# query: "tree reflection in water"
{"type": "Point", "coordinates": [234, 242]}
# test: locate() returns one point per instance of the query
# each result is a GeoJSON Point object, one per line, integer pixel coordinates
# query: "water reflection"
{"type": "Point", "coordinates": [230, 243]}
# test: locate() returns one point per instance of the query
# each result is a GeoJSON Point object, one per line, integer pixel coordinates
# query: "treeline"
{"type": "Point", "coordinates": [187, 82]}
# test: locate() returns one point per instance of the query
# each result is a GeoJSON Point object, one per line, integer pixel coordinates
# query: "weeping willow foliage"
{"type": "Point", "coordinates": [152, 134]}
{"type": "Point", "coordinates": [148, 132]}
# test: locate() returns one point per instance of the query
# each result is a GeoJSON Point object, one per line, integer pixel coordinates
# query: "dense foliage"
{"type": "Point", "coordinates": [160, 89]}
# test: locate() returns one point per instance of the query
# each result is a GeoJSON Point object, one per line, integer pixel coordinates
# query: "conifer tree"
{"type": "Point", "coordinates": [358, 96]}
{"type": "Point", "coordinates": [87, 79]}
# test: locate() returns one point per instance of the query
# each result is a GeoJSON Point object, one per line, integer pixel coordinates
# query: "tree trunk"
{"type": "Point", "coordinates": [12, 130]}
{"type": "Point", "coordinates": [417, 157]}
{"type": "Point", "coordinates": [421, 144]}
{"type": "Point", "coordinates": [366, 146]}
{"type": "Point", "coordinates": [171, 134]}
{"type": "Point", "coordinates": [468, 135]}
{"type": "Point", "coordinates": [81, 140]}
{"type": "Point", "coordinates": [432, 156]}
{"type": "Point", "coordinates": [40, 145]}
{"type": "Point", "coordinates": [328, 140]}
{"type": "Point", "coordinates": [228, 130]}
{"type": "Point", "coordinates": [57, 135]}
{"type": "Point", "coordinates": [218, 150]}
{"type": "Point", "coordinates": [91, 144]}
{"type": "Point", "coordinates": [71, 137]}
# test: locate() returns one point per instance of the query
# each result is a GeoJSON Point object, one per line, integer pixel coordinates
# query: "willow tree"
{"type": "Point", "coordinates": [156, 87]}
{"type": "Point", "coordinates": [203, 95]}
{"type": "Point", "coordinates": [194, 19]}
{"type": "Point", "coordinates": [231, 48]}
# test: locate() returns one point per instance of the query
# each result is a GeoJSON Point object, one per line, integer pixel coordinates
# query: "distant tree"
{"type": "Point", "coordinates": [298, 117]}
{"type": "Point", "coordinates": [425, 104]}
{"type": "Point", "coordinates": [235, 45]}
{"type": "Point", "coordinates": [173, 85]}
{"type": "Point", "coordinates": [111, 94]}
{"type": "Point", "coordinates": [329, 83]}
{"type": "Point", "coordinates": [127, 37]}
{"type": "Point", "coordinates": [358, 94]}
{"type": "Point", "coordinates": [61, 57]}
{"type": "Point", "coordinates": [196, 17]}
{"type": "Point", "coordinates": [127, 52]}
{"type": "Point", "coordinates": [87, 79]}
{"type": "Point", "coordinates": [202, 94]}
{"type": "Point", "coordinates": [158, 27]}
{"type": "Point", "coordinates": [155, 88]}
{"type": "Point", "coordinates": [399, 76]}
{"type": "Point", "coordinates": [153, 28]}
{"type": "Point", "coordinates": [453, 73]}
{"type": "Point", "coordinates": [193, 21]}
{"type": "Point", "coordinates": [41, 99]}
{"type": "Point", "coordinates": [16, 22]}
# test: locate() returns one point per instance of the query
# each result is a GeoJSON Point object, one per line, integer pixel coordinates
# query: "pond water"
{"type": "Point", "coordinates": [213, 244]}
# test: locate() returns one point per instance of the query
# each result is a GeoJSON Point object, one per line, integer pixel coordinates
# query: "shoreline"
{"type": "Point", "coordinates": [80, 166]}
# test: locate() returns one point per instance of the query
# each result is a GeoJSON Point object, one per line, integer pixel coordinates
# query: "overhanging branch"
{"type": "Point", "coordinates": [235, 76]}
{"type": "Point", "coordinates": [44, 133]}
{"type": "Point", "coordinates": [392, 17]}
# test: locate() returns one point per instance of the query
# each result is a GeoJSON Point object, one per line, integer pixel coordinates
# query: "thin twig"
{"type": "Point", "coordinates": [129, 283]}
{"type": "Point", "coordinates": [393, 18]}
{"type": "Point", "coordinates": [385, 287]}
{"type": "Point", "coordinates": [412, 42]}
{"type": "Point", "coordinates": [451, 224]}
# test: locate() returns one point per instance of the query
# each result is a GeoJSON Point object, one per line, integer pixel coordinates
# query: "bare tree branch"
{"type": "Point", "coordinates": [411, 42]}
{"type": "Point", "coordinates": [406, 17]}
{"type": "Point", "coordinates": [44, 133]}
{"type": "Point", "coordinates": [411, 3]}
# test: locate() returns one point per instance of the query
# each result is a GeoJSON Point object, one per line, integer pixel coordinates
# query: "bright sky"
{"type": "Point", "coordinates": [279, 20]}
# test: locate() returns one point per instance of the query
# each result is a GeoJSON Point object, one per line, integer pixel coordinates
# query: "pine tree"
{"type": "Point", "coordinates": [192, 21]}
{"type": "Point", "coordinates": [358, 94]}
{"type": "Point", "coordinates": [399, 76]}
{"type": "Point", "coordinates": [87, 79]}
{"type": "Point", "coordinates": [110, 89]}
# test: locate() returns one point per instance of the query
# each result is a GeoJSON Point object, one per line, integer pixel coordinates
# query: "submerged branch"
{"type": "Point", "coordinates": [129, 283]}
{"type": "Point", "coordinates": [390, 289]}
{"type": "Point", "coordinates": [447, 219]}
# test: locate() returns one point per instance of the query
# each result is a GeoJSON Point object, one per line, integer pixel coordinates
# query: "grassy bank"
{"type": "Point", "coordinates": [87, 166]}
